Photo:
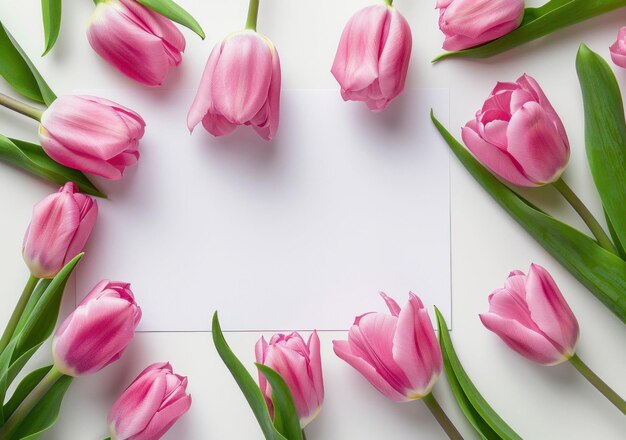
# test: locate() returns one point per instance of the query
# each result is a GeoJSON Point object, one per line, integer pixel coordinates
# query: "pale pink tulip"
{"type": "Point", "coordinates": [373, 56]}
{"type": "Point", "coordinates": [240, 86]}
{"type": "Point", "coordinates": [91, 134]}
{"type": "Point", "coordinates": [98, 331]}
{"type": "Point", "coordinates": [59, 228]}
{"type": "Point", "coordinates": [618, 49]}
{"type": "Point", "coordinates": [518, 135]}
{"type": "Point", "coordinates": [150, 406]}
{"type": "Point", "coordinates": [300, 365]}
{"type": "Point", "coordinates": [398, 353]}
{"type": "Point", "coordinates": [137, 41]}
{"type": "Point", "coordinates": [532, 317]}
{"type": "Point", "coordinates": [469, 23]}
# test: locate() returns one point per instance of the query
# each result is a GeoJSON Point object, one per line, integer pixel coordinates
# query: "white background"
{"type": "Point", "coordinates": [540, 403]}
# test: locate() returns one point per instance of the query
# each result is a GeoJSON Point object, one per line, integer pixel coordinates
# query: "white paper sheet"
{"type": "Point", "coordinates": [299, 233]}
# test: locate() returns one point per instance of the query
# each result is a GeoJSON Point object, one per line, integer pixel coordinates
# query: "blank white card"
{"type": "Point", "coordinates": [298, 233]}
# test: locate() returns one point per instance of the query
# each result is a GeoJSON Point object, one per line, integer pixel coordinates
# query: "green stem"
{"type": "Point", "coordinates": [17, 312]}
{"type": "Point", "coordinates": [253, 14]}
{"type": "Point", "coordinates": [441, 417]}
{"type": "Point", "coordinates": [7, 431]}
{"type": "Point", "coordinates": [389, 2]}
{"type": "Point", "coordinates": [584, 213]}
{"type": "Point", "coordinates": [20, 107]}
{"type": "Point", "coordinates": [303, 435]}
{"type": "Point", "coordinates": [600, 385]}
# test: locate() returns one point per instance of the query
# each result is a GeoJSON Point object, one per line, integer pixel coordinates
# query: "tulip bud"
{"type": "Point", "coordinates": [469, 23]}
{"type": "Point", "coordinates": [398, 353]}
{"type": "Point", "coordinates": [240, 86]}
{"type": "Point", "coordinates": [300, 365]}
{"type": "Point", "coordinates": [518, 135]}
{"type": "Point", "coordinates": [137, 41]}
{"type": "Point", "coordinates": [91, 134]}
{"type": "Point", "coordinates": [150, 406]}
{"type": "Point", "coordinates": [373, 56]}
{"type": "Point", "coordinates": [58, 231]}
{"type": "Point", "coordinates": [98, 331]}
{"type": "Point", "coordinates": [618, 49]}
{"type": "Point", "coordinates": [531, 316]}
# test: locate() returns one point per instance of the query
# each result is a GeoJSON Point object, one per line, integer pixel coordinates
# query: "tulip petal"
{"type": "Point", "coordinates": [268, 125]}
{"type": "Point", "coordinates": [202, 103]}
{"type": "Point", "coordinates": [316, 365]}
{"type": "Point", "coordinates": [164, 419]}
{"type": "Point", "coordinates": [394, 58]}
{"type": "Point", "coordinates": [392, 305]}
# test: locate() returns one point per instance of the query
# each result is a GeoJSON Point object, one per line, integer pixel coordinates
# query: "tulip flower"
{"type": "Point", "coordinates": [518, 135]}
{"type": "Point", "coordinates": [137, 41]}
{"type": "Point", "coordinates": [618, 49]}
{"type": "Point", "coordinates": [469, 23]}
{"type": "Point", "coordinates": [300, 365]}
{"type": "Point", "coordinates": [150, 406]}
{"type": "Point", "coordinates": [98, 331]}
{"type": "Point", "coordinates": [532, 317]}
{"type": "Point", "coordinates": [373, 56]}
{"type": "Point", "coordinates": [91, 134]}
{"type": "Point", "coordinates": [59, 228]}
{"type": "Point", "coordinates": [398, 353]}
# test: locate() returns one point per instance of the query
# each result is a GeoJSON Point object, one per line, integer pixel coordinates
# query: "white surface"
{"type": "Point", "coordinates": [540, 403]}
{"type": "Point", "coordinates": [310, 225]}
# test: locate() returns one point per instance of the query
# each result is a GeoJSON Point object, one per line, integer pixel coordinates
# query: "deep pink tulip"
{"type": "Point", "coordinates": [240, 86]}
{"type": "Point", "coordinates": [91, 134]}
{"type": "Point", "coordinates": [150, 406]}
{"type": "Point", "coordinates": [618, 49]}
{"type": "Point", "coordinates": [59, 228]}
{"type": "Point", "coordinates": [373, 56]}
{"type": "Point", "coordinates": [398, 353]}
{"type": "Point", "coordinates": [137, 41]}
{"type": "Point", "coordinates": [532, 317]}
{"type": "Point", "coordinates": [300, 365]}
{"type": "Point", "coordinates": [98, 331]}
{"type": "Point", "coordinates": [469, 23]}
{"type": "Point", "coordinates": [518, 135]}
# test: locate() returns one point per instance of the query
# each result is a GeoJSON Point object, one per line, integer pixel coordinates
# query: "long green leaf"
{"type": "Point", "coordinates": [539, 22]}
{"type": "Point", "coordinates": [33, 159]}
{"type": "Point", "coordinates": [46, 412]}
{"type": "Point", "coordinates": [41, 287]}
{"type": "Point", "coordinates": [246, 383]}
{"type": "Point", "coordinates": [5, 362]}
{"type": "Point", "coordinates": [602, 272]}
{"type": "Point", "coordinates": [18, 70]}
{"type": "Point", "coordinates": [478, 412]}
{"type": "Point", "coordinates": [51, 12]}
{"type": "Point", "coordinates": [42, 319]}
{"type": "Point", "coordinates": [285, 414]}
{"type": "Point", "coordinates": [174, 12]}
{"type": "Point", "coordinates": [605, 136]}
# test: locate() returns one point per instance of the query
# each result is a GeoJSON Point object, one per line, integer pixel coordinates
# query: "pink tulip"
{"type": "Point", "coordinates": [398, 353]}
{"type": "Point", "coordinates": [137, 41]}
{"type": "Point", "coordinates": [59, 228]}
{"type": "Point", "coordinates": [98, 331]}
{"type": "Point", "coordinates": [300, 365]}
{"type": "Point", "coordinates": [469, 23]}
{"type": "Point", "coordinates": [373, 56]}
{"type": "Point", "coordinates": [618, 49]}
{"type": "Point", "coordinates": [532, 317]}
{"type": "Point", "coordinates": [240, 86]}
{"type": "Point", "coordinates": [151, 405]}
{"type": "Point", "coordinates": [518, 135]}
{"type": "Point", "coordinates": [91, 134]}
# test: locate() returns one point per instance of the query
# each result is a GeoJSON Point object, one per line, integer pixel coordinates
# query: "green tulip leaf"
{"type": "Point", "coordinates": [174, 12]}
{"type": "Point", "coordinates": [45, 412]}
{"type": "Point", "coordinates": [19, 71]}
{"type": "Point", "coordinates": [487, 423]}
{"type": "Point", "coordinates": [539, 22]}
{"type": "Point", "coordinates": [41, 287]}
{"type": "Point", "coordinates": [51, 12]}
{"type": "Point", "coordinates": [246, 383]}
{"type": "Point", "coordinates": [605, 136]}
{"type": "Point", "coordinates": [286, 418]}
{"type": "Point", "coordinates": [620, 248]}
{"type": "Point", "coordinates": [5, 362]}
{"type": "Point", "coordinates": [601, 271]}
{"type": "Point", "coordinates": [33, 159]}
